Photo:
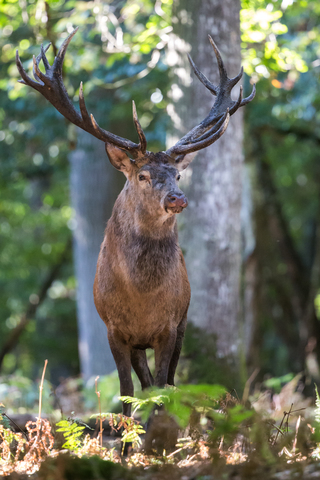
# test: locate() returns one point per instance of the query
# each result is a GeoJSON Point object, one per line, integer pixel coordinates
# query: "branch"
{"type": "Point", "coordinates": [280, 231]}
{"type": "Point", "coordinates": [302, 290]}
{"type": "Point", "coordinates": [31, 309]}
{"type": "Point", "coordinates": [304, 281]}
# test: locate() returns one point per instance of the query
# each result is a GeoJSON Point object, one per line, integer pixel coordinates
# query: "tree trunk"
{"type": "Point", "coordinates": [94, 186]}
{"type": "Point", "coordinates": [210, 227]}
{"type": "Point", "coordinates": [249, 281]}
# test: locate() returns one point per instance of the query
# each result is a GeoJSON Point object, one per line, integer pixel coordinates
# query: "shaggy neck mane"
{"type": "Point", "coordinates": [151, 260]}
{"type": "Point", "coordinates": [150, 255]}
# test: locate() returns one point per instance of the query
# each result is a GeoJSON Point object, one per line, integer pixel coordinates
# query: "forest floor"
{"type": "Point", "coordinates": [202, 434]}
{"type": "Point", "coordinates": [62, 465]}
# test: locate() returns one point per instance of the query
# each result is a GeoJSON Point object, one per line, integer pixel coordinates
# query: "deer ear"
{"type": "Point", "coordinates": [119, 159]}
{"type": "Point", "coordinates": [183, 161]}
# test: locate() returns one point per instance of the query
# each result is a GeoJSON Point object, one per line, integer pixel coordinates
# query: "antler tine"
{"type": "Point", "coordinates": [237, 104]}
{"type": "Point", "coordinates": [250, 97]}
{"type": "Point", "coordinates": [58, 61]}
{"type": "Point", "coordinates": [26, 79]}
{"type": "Point", "coordinates": [142, 138]}
{"type": "Point", "coordinates": [44, 58]}
{"type": "Point", "coordinates": [83, 109]}
{"type": "Point", "coordinates": [109, 137]}
{"type": "Point", "coordinates": [222, 70]}
{"type": "Point", "coordinates": [203, 79]}
{"type": "Point", "coordinates": [38, 75]}
{"type": "Point", "coordinates": [226, 83]}
{"type": "Point", "coordinates": [194, 147]}
{"type": "Point", "coordinates": [212, 130]}
{"type": "Point", "coordinates": [233, 81]}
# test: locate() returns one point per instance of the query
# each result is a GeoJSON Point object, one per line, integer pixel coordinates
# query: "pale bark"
{"type": "Point", "coordinates": [210, 232]}
{"type": "Point", "coordinates": [94, 186]}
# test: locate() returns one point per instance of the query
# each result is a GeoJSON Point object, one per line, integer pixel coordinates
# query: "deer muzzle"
{"type": "Point", "coordinates": [175, 202]}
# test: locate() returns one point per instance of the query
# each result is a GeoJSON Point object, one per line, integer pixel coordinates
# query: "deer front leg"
{"type": "Point", "coordinates": [140, 366]}
{"type": "Point", "coordinates": [122, 356]}
{"type": "Point", "coordinates": [177, 349]}
{"type": "Point", "coordinates": [163, 353]}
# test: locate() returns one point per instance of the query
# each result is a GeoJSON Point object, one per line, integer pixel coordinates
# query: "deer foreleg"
{"type": "Point", "coordinates": [163, 353]}
{"type": "Point", "coordinates": [177, 349]}
{"type": "Point", "coordinates": [122, 356]}
{"type": "Point", "coordinates": [140, 366]}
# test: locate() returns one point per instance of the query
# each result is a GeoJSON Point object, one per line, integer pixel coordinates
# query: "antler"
{"type": "Point", "coordinates": [51, 86]}
{"type": "Point", "coordinates": [215, 124]}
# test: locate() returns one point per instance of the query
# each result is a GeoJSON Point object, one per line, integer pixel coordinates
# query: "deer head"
{"type": "Point", "coordinates": [146, 172]}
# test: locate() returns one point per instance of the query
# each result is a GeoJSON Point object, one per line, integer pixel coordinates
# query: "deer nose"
{"type": "Point", "coordinates": [174, 200]}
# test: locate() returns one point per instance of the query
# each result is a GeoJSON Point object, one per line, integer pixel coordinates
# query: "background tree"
{"type": "Point", "coordinates": [210, 229]}
{"type": "Point", "coordinates": [282, 48]}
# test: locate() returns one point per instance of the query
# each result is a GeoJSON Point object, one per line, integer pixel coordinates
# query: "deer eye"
{"type": "Point", "coordinates": [142, 177]}
{"type": "Point", "coordinates": [178, 177]}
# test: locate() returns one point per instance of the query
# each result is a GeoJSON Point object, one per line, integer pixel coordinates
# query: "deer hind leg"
{"type": "Point", "coordinates": [177, 349]}
{"type": "Point", "coordinates": [140, 366]}
{"type": "Point", "coordinates": [163, 352]}
{"type": "Point", "coordinates": [122, 356]}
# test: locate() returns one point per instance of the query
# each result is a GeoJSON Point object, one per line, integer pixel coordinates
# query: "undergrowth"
{"type": "Point", "coordinates": [199, 427]}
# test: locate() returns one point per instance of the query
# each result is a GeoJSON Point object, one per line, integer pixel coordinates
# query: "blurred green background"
{"type": "Point", "coordinates": [120, 54]}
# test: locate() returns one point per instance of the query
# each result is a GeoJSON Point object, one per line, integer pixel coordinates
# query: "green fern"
{"type": "Point", "coordinates": [131, 430]}
{"type": "Point", "coordinates": [132, 434]}
{"type": "Point", "coordinates": [144, 403]}
{"type": "Point", "coordinates": [3, 418]}
{"type": "Point", "coordinates": [179, 402]}
{"type": "Point", "coordinates": [72, 433]}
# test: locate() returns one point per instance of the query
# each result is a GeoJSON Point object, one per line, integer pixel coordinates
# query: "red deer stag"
{"type": "Point", "coordinates": [141, 287]}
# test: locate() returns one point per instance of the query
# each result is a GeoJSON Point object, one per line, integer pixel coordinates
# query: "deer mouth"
{"type": "Point", "coordinates": [174, 209]}
{"type": "Point", "coordinates": [175, 203]}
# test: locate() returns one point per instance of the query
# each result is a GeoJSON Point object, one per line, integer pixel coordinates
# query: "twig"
{"type": "Point", "coordinates": [221, 443]}
{"type": "Point", "coordinates": [288, 416]}
{"type": "Point", "coordinates": [98, 395]}
{"type": "Point", "coordinates": [192, 457]}
{"type": "Point", "coordinates": [236, 393]}
{"type": "Point", "coordinates": [299, 410]}
{"type": "Point", "coordinates": [14, 423]}
{"type": "Point", "coordinates": [296, 435]}
{"type": "Point", "coordinates": [176, 451]}
{"type": "Point", "coordinates": [187, 445]}
{"type": "Point", "coordinates": [41, 387]}
{"type": "Point", "coordinates": [279, 429]}
{"type": "Point", "coordinates": [275, 426]}
{"type": "Point", "coordinates": [248, 385]}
